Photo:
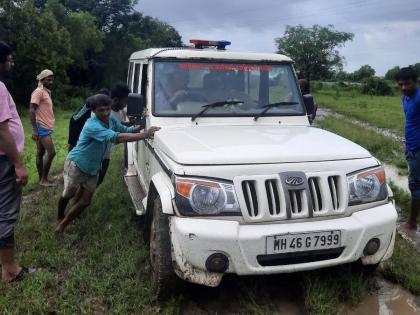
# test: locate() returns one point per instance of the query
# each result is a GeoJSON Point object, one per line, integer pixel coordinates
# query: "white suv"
{"type": "Point", "coordinates": [237, 180]}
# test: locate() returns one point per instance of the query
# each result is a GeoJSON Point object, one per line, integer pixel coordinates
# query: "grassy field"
{"type": "Point", "coordinates": [382, 147]}
{"type": "Point", "coordinates": [98, 265]}
{"type": "Point", "coordinates": [403, 267]}
{"type": "Point", "coordinates": [380, 111]}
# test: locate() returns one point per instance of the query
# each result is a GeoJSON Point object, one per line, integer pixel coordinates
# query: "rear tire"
{"type": "Point", "coordinates": [164, 279]}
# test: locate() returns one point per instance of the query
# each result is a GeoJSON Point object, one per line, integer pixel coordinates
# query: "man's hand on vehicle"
{"type": "Point", "coordinates": [151, 131]}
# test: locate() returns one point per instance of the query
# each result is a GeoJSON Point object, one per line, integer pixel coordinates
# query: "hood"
{"type": "Point", "coordinates": [254, 145]}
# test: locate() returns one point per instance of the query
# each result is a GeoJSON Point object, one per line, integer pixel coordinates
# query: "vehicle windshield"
{"type": "Point", "coordinates": [182, 88]}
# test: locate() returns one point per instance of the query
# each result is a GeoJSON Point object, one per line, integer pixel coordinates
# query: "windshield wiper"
{"type": "Point", "coordinates": [215, 104]}
{"type": "Point", "coordinates": [269, 106]}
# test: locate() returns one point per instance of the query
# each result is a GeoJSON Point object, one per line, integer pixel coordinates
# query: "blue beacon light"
{"type": "Point", "coordinates": [200, 43]}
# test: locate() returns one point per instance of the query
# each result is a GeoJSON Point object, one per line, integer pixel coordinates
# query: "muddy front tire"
{"type": "Point", "coordinates": [164, 279]}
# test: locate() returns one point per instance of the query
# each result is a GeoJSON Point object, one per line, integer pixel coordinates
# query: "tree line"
{"type": "Point", "coordinates": [86, 43]}
{"type": "Point", "coordinates": [316, 56]}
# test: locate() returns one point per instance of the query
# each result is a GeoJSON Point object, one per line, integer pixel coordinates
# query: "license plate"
{"type": "Point", "coordinates": [287, 243]}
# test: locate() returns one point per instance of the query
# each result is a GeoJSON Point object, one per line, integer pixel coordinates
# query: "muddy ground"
{"type": "Point", "coordinates": [280, 295]}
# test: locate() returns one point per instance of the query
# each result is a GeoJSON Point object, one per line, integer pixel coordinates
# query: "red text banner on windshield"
{"type": "Point", "coordinates": [225, 67]}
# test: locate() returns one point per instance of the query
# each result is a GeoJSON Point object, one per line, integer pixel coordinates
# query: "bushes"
{"type": "Point", "coordinates": [375, 86]}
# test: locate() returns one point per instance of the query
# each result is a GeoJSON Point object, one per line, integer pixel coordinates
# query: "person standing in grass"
{"type": "Point", "coordinates": [13, 174]}
{"type": "Point", "coordinates": [83, 163]}
{"type": "Point", "coordinates": [406, 79]}
{"type": "Point", "coordinates": [42, 120]}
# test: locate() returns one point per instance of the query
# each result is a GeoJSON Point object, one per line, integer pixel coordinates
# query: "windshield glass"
{"type": "Point", "coordinates": [181, 88]}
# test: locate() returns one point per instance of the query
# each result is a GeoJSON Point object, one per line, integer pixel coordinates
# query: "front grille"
{"type": "Point", "coordinates": [273, 196]}
{"type": "Point", "coordinates": [291, 195]}
{"type": "Point", "coordinates": [249, 191]}
{"type": "Point", "coordinates": [296, 201]}
{"type": "Point", "coordinates": [333, 185]}
{"type": "Point", "coordinates": [315, 191]}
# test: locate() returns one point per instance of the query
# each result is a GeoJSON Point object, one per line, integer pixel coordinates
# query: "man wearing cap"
{"type": "Point", "coordinates": [42, 119]}
{"type": "Point", "coordinates": [13, 174]}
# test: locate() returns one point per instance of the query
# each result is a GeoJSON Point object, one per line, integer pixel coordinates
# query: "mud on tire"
{"type": "Point", "coordinates": [164, 279]}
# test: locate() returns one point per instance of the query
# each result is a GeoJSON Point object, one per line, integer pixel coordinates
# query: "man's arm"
{"type": "Point", "coordinates": [130, 137]}
{"type": "Point", "coordinates": [8, 146]}
{"type": "Point", "coordinates": [32, 116]}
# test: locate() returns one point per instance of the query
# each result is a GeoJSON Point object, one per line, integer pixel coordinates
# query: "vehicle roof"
{"type": "Point", "coordinates": [192, 53]}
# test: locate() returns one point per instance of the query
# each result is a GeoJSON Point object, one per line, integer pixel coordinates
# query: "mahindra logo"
{"type": "Point", "coordinates": [294, 180]}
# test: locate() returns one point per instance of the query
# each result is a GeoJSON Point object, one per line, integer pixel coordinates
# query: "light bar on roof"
{"type": "Point", "coordinates": [201, 43]}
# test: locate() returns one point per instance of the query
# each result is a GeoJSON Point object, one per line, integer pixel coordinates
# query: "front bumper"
{"type": "Point", "coordinates": [195, 239]}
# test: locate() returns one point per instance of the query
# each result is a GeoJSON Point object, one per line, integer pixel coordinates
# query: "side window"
{"type": "Point", "coordinates": [130, 75]}
{"type": "Point", "coordinates": [136, 78]}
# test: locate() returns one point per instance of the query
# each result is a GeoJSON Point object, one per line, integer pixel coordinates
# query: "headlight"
{"type": "Point", "coordinates": [367, 186]}
{"type": "Point", "coordinates": [195, 197]}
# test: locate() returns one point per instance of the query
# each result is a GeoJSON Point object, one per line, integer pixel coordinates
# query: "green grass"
{"type": "Point", "coordinates": [327, 289]}
{"type": "Point", "coordinates": [380, 111]}
{"type": "Point", "coordinates": [98, 265]}
{"type": "Point", "coordinates": [403, 267]}
{"type": "Point", "coordinates": [60, 141]}
{"type": "Point", "coordinates": [380, 146]}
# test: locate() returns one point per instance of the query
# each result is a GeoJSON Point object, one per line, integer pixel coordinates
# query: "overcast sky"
{"type": "Point", "coordinates": [386, 32]}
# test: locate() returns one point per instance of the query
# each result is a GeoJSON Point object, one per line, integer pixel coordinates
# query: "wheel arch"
{"type": "Point", "coordinates": [161, 185]}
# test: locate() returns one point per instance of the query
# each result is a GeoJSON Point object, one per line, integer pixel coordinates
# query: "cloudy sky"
{"type": "Point", "coordinates": [387, 32]}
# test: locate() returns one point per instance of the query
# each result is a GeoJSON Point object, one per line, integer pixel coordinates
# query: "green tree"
{"type": "Point", "coordinates": [390, 74]}
{"type": "Point", "coordinates": [38, 41]}
{"type": "Point", "coordinates": [125, 31]}
{"type": "Point", "coordinates": [375, 86]}
{"type": "Point", "coordinates": [314, 50]}
{"type": "Point", "coordinates": [135, 32]}
{"type": "Point", "coordinates": [85, 38]}
{"type": "Point", "coordinates": [416, 67]}
{"type": "Point", "coordinates": [364, 72]}
{"type": "Point", "coordinates": [86, 43]}
{"type": "Point", "coordinates": [107, 12]}
{"type": "Point", "coordinates": [342, 76]}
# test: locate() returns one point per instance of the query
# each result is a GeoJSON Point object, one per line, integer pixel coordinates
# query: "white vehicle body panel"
{"type": "Point", "coordinates": [217, 145]}
{"type": "Point", "coordinates": [196, 239]}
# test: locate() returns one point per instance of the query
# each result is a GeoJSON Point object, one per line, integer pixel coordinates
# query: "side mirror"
{"type": "Point", "coordinates": [135, 105]}
{"type": "Point", "coordinates": [308, 100]}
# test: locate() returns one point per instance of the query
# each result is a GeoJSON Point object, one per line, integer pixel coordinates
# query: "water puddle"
{"type": "Point", "coordinates": [390, 299]}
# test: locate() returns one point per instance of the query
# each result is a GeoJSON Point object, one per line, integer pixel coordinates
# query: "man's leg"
{"type": "Point", "coordinates": [62, 204]}
{"type": "Point", "coordinates": [103, 170]}
{"type": "Point", "coordinates": [413, 160]}
{"type": "Point", "coordinates": [9, 268]}
{"type": "Point", "coordinates": [10, 197]}
{"type": "Point", "coordinates": [40, 151]}
{"type": "Point", "coordinates": [48, 145]}
{"type": "Point", "coordinates": [77, 196]}
{"type": "Point", "coordinates": [414, 213]}
{"type": "Point", "coordinates": [75, 210]}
